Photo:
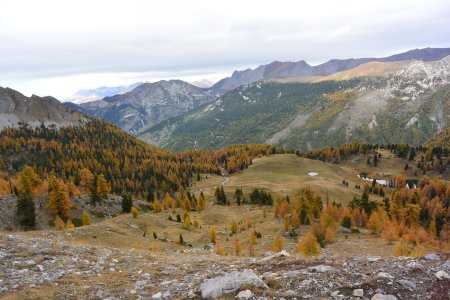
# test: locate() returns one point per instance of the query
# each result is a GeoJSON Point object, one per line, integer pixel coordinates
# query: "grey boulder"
{"type": "Point", "coordinates": [229, 283]}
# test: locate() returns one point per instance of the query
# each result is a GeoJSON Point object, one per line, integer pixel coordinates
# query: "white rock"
{"type": "Point", "coordinates": [373, 258]}
{"type": "Point", "coordinates": [229, 283]}
{"type": "Point", "coordinates": [407, 283]}
{"type": "Point", "coordinates": [442, 274]}
{"type": "Point", "coordinates": [346, 230]}
{"type": "Point", "coordinates": [40, 268]}
{"type": "Point", "coordinates": [383, 297]}
{"type": "Point", "coordinates": [358, 292]}
{"type": "Point", "coordinates": [158, 295]}
{"type": "Point", "coordinates": [322, 269]}
{"type": "Point", "coordinates": [432, 256]}
{"type": "Point", "coordinates": [282, 253]}
{"type": "Point", "coordinates": [384, 275]}
{"type": "Point", "coordinates": [191, 294]}
{"type": "Point", "coordinates": [292, 274]}
{"type": "Point", "coordinates": [140, 284]}
{"type": "Point", "coordinates": [247, 294]}
{"type": "Point", "coordinates": [414, 265]}
{"type": "Point", "coordinates": [446, 266]}
{"type": "Point", "coordinates": [30, 262]}
{"type": "Point", "coordinates": [335, 294]}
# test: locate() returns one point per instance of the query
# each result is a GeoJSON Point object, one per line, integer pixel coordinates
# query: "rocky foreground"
{"type": "Point", "coordinates": [51, 267]}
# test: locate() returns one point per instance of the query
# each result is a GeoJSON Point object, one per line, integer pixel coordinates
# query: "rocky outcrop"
{"type": "Point", "coordinates": [17, 109]}
{"type": "Point", "coordinates": [230, 283]}
{"type": "Point", "coordinates": [48, 265]}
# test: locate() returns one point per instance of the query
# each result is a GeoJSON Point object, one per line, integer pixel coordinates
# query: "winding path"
{"type": "Point", "coordinates": [225, 180]}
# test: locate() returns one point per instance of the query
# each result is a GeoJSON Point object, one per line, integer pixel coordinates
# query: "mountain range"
{"type": "Point", "coordinates": [277, 69]}
{"type": "Point", "coordinates": [394, 102]}
{"type": "Point", "coordinates": [284, 103]}
{"type": "Point", "coordinates": [139, 109]}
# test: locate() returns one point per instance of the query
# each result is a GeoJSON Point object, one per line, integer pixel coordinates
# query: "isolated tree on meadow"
{"type": "Point", "coordinates": [308, 245]}
{"type": "Point", "coordinates": [213, 235]}
{"type": "Point", "coordinates": [238, 195]}
{"type": "Point", "coordinates": [237, 248]}
{"type": "Point", "coordinates": [86, 219]}
{"type": "Point", "coordinates": [233, 227]}
{"type": "Point", "coordinates": [186, 221]}
{"type": "Point", "coordinates": [220, 196]}
{"type": "Point", "coordinates": [181, 240]}
{"type": "Point", "coordinates": [278, 244]}
{"type": "Point", "coordinates": [201, 202]}
{"type": "Point", "coordinates": [134, 212]}
{"type": "Point", "coordinates": [346, 222]}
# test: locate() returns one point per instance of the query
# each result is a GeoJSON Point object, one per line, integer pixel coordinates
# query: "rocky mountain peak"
{"type": "Point", "coordinates": [16, 108]}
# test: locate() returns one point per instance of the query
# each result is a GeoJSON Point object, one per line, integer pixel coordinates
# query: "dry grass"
{"type": "Point", "coordinates": [285, 174]}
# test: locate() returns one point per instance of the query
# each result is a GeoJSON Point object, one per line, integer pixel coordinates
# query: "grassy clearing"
{"type": "Point", "coordinates": [285, 174]}
{"type": "Point", "coordinates": [282, 174]}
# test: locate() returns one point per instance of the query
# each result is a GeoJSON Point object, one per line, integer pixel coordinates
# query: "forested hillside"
{"type": "Point", "coordinates": [249, 114]}
{"type": "Point", "coordinates": [77, 153]}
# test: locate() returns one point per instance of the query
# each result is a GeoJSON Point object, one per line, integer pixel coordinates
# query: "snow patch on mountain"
{"type": "Point", "coordinates": [373, 123]}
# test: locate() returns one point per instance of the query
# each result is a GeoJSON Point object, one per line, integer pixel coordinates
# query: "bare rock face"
{"type": "Point", "coordinates": [17, 109]}
{"type": "Point", "coordinates": [148, 104]}
{"type": "Point", "coordinates": [277, 69]}
{"type": "Point", "coordinates": [229, 283]}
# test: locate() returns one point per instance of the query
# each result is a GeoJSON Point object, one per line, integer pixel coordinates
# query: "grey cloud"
{"type": "Point", "coordinates": [250, 40]}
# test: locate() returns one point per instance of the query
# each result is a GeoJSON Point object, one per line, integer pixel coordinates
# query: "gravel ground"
{"type": "Point", "coordinates": [47, 265]}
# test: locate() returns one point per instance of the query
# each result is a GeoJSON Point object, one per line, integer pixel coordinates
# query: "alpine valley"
{"type": "Point", "coordinates": [401, 98]}
{"type": "Point", "coordinates": [325, 182]}
{"type": "Point", "coordinates": [377, 102]}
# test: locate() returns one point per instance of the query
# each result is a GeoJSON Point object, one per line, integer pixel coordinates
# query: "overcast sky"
{"type": "Point", "coordinates": [54, 47]}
